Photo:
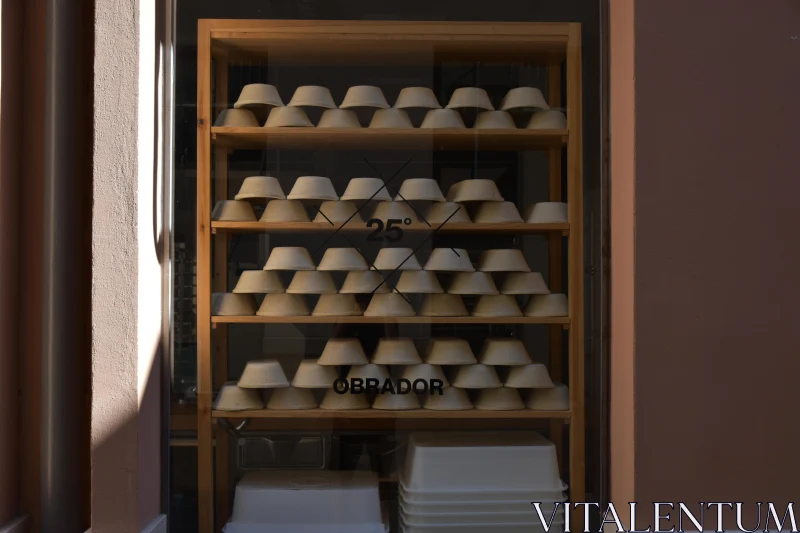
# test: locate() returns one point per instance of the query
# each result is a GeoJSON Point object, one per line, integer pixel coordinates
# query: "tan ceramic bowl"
{"type": "Point", "coordinates": [547, 212]}
{"type": "Point", "coordinates": [553, 399]}
{"type": "Point", "coordinates": [453, 399]}
{"type": "Point", "coordinates": [548, 120]}
{"type": "Point", "coordinates": [446, 352]}
{"type": "Point", "coordinates": [451, 212]}
{"type": "Point", "coordinates": [333, 401]}
{"type": "Point", "coordinates": [312, 96]}
{"type": "Point", "coordinates": [339, 118]}
{"type": "Point", "coordinates": [366, 189]}
{"type": "Point", "coordinates": [338, 212]}
{"type": "Point", "coordinates": [260, 187]}
{"type": "Point", "coordinates": [265, 374]}
{"type": "Point", "coordinates": [230, 304]}
{"type": "Point", "coordinates": [504, 352]}
{"type": "Point", "coordinates": [343, 352]}
{"type": "Point", "coordinates": [342, 259]}
{"type": "Point", "coordinates": [282, 304]}
{"type": "Point", "coordinates": [258, 95]}
{"type": "Point", "coordinates": [389, 304]}
{"type": "Point", "coordinates": [497, 305]}
{"type": "Point", "coordinates": [311, 282]}
{"type": "Point", "coordinates": [233, 398]}
{"type": "Point", "coordinates": [396, 352]}
{"type": "Point", "coordinates": [396, 259]}
{"type": "Point", "coordinates": [477, 283]}
{"type": "Point", "coordinates": [312, 188]}
{"type": "Point", "coordinates": [287, 117]}
{"type": "Point", "coordinates": [503, 260]}
{"type": "Point", "coordinates": [524, 98]}
{"type": "Point", "coordinates": [258, 282]}
{"type": "Point", "coordinates": [418, 282]}
{"type": "Point", "coordinates": [369, 371]}
{"type": "Point", "coordinates": [284, 211]}
{"type": "Point", "coordinates": [442, 119]}
{"type": "Point", "coordinates": [394, 210]}
{"type": "Point", "coordinates": [494, 120]}
{"type": "Point", "coordinates": [233, 211]}
{"type": "Point", "coordinates": [358, 282]}
{"type": "Point", "coordinates": [292, 399]}
{"type": "Point", "coordinates": [497, 213]}
{"type": "Point", "coordinates": [474, 190]}
{"type": "Point", "coordinates": [420, 189]}
{"type": "Point", "coordinates": [396, 402]}
{"type": "Point", "coordinates": [236, 118]}
{"type": "Point", "coordinates": [425, 372]}
{"type": "Point", "coordinates": [311, 375]}
{"type": "Point", "coordinates": [337, 305]}
{"type": "Point", "coordinates": [532, 376]}
{"type": "Point", "coordinates": [449, 260]}
{"type": "Point", "coordinates": [417, 98]}
{"type": "Point", "coordinates": [364, 96]}
{"type": "Point", "coordinates": [547, 305]}
{"type": "Point", "coordinates": [499, 399]}
{"type": "Point", "coordinates": [524, 283]}
{"type": "Point", "coordinates": [470, 97]}
{"type": "Point", "coordinates": [390, 119]}
{"type": "Point", "coordinates": [289, 258]}
{"type": "Point", "coordinates": [443, 305]}
{"type": "Point", "coordinates": [476, 377]}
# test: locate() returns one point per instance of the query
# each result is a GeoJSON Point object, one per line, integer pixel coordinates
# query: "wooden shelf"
{"type": "Point", "coordinates": [388, 320]}
{"type": "Point", "coordinates": [512, 228]}
{"type": "Point", "coordinates": [357, 139]}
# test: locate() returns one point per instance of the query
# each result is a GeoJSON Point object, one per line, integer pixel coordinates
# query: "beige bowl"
{"type": "Point", "coordinates": [342, 259]}
{"type": "Point", "coordinates": [426, 372]}
{"type": "Point", "coordinates": [282, 304]}
{"type": "Point", "coordinates": [337, 305]}
{"type": "Point", "coordinates": [342, 352]}
{"type": "Point", "coordinates": [396, 352]}
{"type": "Point", "coordinates": [311, 282]}
{"type": "Point", "coordinates": [443, 305]}
{"type": "Point", "coordinates": [442, 119]}
{"type": "Point", "coordinates": [497, 212]}
{"type": "Point", "coordinates": [257, 95]}
{"type": "Point", "coordinates": [343, 402]}
{"type": "Point", "coordinates": [233, 211]}
{"type": "Point", "coordinates": [287, 117]}
{"type": "Point", "coordinates": [292, 399]}
{"type": "Point", "coordinates": [420, 189]}
{"type": "Point", "coordinates": [390, 119]}
{"type": "Point", "coordinates": [338, 118]}
{"type": "Point", "coordinates": [389, 304]}
{"type": "Point", "coordinates": [312, 96]}
{"type": "Point", "coordinates": [289, 258]}
{"type": "Point", "coordinates": [504, 352]}
{"type": "Point", "coordinates": [449, 260]}
{"type": "Point", "coordinates": [524, 283]}
{"type": "Point", "coordinates": [233, 398]}
{"type": "Point", "coordinates": [417, 98]}
{"type": "Point", "coordinates": [449, 352]}
{"type": "Point", "coordinates": [478, 283]}
{"type": "Point", "coordinates": [547, 212]}
{"type": "Point", "coordinates": [453, 399]}
{"type": "Point", "coordinates": [236, 118]}
{"type": "Point", "coordinates": [364, 96]}
{"type": "Point", "coordinates": [553, 399]}
{"type": "Point", "coordinates": [451, 212]}
{"type": "Point", "coordinates": [368, 371]}
{"type": "Point", "coordinates": [230, 304]}
{"type": "Point", "coordinates": [548, 120]}
{"type": "Point", "coordinates": [285, 211]}
{"type": "Point", "coordinates": [358, 282]}
{"type": "Point", "coordinates": [396, 402]}
{"type": "Point", "coordinates": [312, 375]}
{"type": "Point", "coordinates": [258, 282]}
{"type": "Point", "coordinates": [264, 374]}
{"type": "Point", "coordinates": [524, 98]}
{"type": "Point", "coordinates": [497, 305]}
{"type": "Point", "coordinates": [476, 377]}
{"type": "Point", "coordinates": [474, 190]}
{"type": "Point", "coordinates": [503, 260]}
{"type": "Point", "coordinates": [532, 376]}
{"type": "Point", "coordinates": [260, 187]}
{"type": "Point", "coordinates": [366, 189]}
{"type": "Point", "coordinates": [338, 212]}
{"type": "Point", "coordinates": [394, 210]}
{"type": "Point", "coordinates": [396, 259]}
{"type": "Point", "coordinates": [494, 120]}
{"type": "Point", "coordinates": [499, 399]}
{"type": "Point", "coordinates": [418, 282]}
{"type": "Point", "coordinates": [312, 188]}
{"type": "Point", "coordinates": [547, 305]}
{"type": "Point", "coordinates": [470, 97]}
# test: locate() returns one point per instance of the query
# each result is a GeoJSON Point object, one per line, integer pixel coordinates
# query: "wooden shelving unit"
{"type": "Point", "coordinates": [557, 46]}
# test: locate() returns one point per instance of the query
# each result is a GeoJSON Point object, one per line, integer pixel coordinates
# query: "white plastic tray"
{"type": "Point", "coordinates": [468, 507]}
{"type": "Point", "coordinates": [243, 527]}
{"type": "Point", "coordinates": [480, 495]}
{"type": "Point", "coordinates": [529, 518]}
{"type": "Point", "coordinates": [478, 528]}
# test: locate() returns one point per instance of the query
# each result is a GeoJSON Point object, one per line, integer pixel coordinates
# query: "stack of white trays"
{"type": "Point", "coordinates": [307, 501]}
{"type": "Point", "coordinates": [480, 483]}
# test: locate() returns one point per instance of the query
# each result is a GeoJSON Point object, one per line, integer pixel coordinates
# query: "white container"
{"type": "Point", "coordinates": [311, 282]}
{"type": "Point", "coordinates": [532, 376]}
{"type": "Point", "coordinates": [236, 118]}
{"type": "Point", "coordinates": [369, 371]}
{"type": "Point", "coordinates": [548, 120]}
{"type": "Point", "coordinates": [504, 352]}
{"type": "Point", "coordinates": [418, 282]}
{"type": "Point", "coordinates": [449, 260]}
{"type": "Point", "coordinates": [554, 399]}
{"type": "Point", "coordinates": [390, 119]}
{"type": "Point", "coordinates": [342, 259]}
{"type": "Point", "coordinates": [443, 305]}
{"type": "Point", "coordinates": [497, 213]}
{"type": "Point", "coordinates": [264, 374]}
{"type": "Point", "coordinates": [334, 401]}
{"type": "Point", "coordinates": [494, 120]}
{"type": "Point", "coordinates": [339, 118]}
{"type": "Point", "coordinates": [398, 210]}
{"type": "Point", "coordinates": [442, 119]}
{"type": "Point", "coordinates": [364, 96]}
{"type": "Point", "coordinates": [471, 528]}
{"type": "Point", "coordinates": [312, 188]}
{"type": "Point", "coordinates": [547, 213]}
{"type": "Point", "coordinates": [337, 305]}
{"type": "Point", "coordinates": [389, 304]}
{"type": "Point", "coordinates": [338, 212]}
{"type": "Point", "coordinates": [478, 496]}
{"type": "Point", "coordinates": [312, 375]}
{"type": "Point", "coordinates": [292, 399]}
{"type": "Point", "coordinates": [484, 505]}
{"type": "Point", "coordinates": [285, 211]}
{"type": "Point", "coordinates": [258, 282]}
{"type": "Point", "coordinates": [282, 304]}
{"type": "Point", "coordinates": [524, 98]}
{"type": "Point", "coordinates": [232, 304]}
{"type": "Point", "coordinates": [287, 117]}
{"type": "Point", "coordinates": [307, 501]}
{"type": "Point", "coordinates": [452, 399]}
{"type": "Point", "coordinates": [391, 259]}
{"type": "Point", "coordinates": [496, 305]}
{"type": "Point", "coordinates": [476, 377]}
{"type": "Point", "coordinates": [312, 96]}
{"type": "Point", "coordinates": [477, 283]}
{"type": "Point", "coordinates": [233, 211]}
{"type": "Point", "coordinates": [396, 402]}
{"type": "Point", "coordinates": [234, 398]}
{"type": "Point", "coordinates": [547, 305]}
{"type": "Point", "coordinates": [503, 260]}
{"type": "Point", "coordinates": [524, 283]}
{"type": "Point", "coordinates": [367, 282]}
{"type": "Point", "coordinates": [366, 189]}
{"type": "Point", "coordinates": [342, 352]}
{"type": "Point", "coordinates": [289, 258]}
{"type": "Point", "coordinates": [424, 372]}
{"type": "Point", "coordinates": [449, 212]}
{"type": "Point", "coordinates": [499, 399]}
{"type": "Point", "coordinates": [260, 187]}
{"type": "Point", "coordinates": [449, 352]}
{"type": "Point", "coordinates": [474, 190]}
{"type": "Point", "coordinates": [417, 98]}
{"type": "Point", "coordinates": [258, 95]}
{"type": "Point", "coordinates": [500, 519]}
{"type": "Point", "coordinates": [518, 461]}
{"type": "Point", "coordinates": [470, 97]}
{"type": "Point", "coordinates": [396, 352]}
{"type": "Point", "coordinates": [420, 189]}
